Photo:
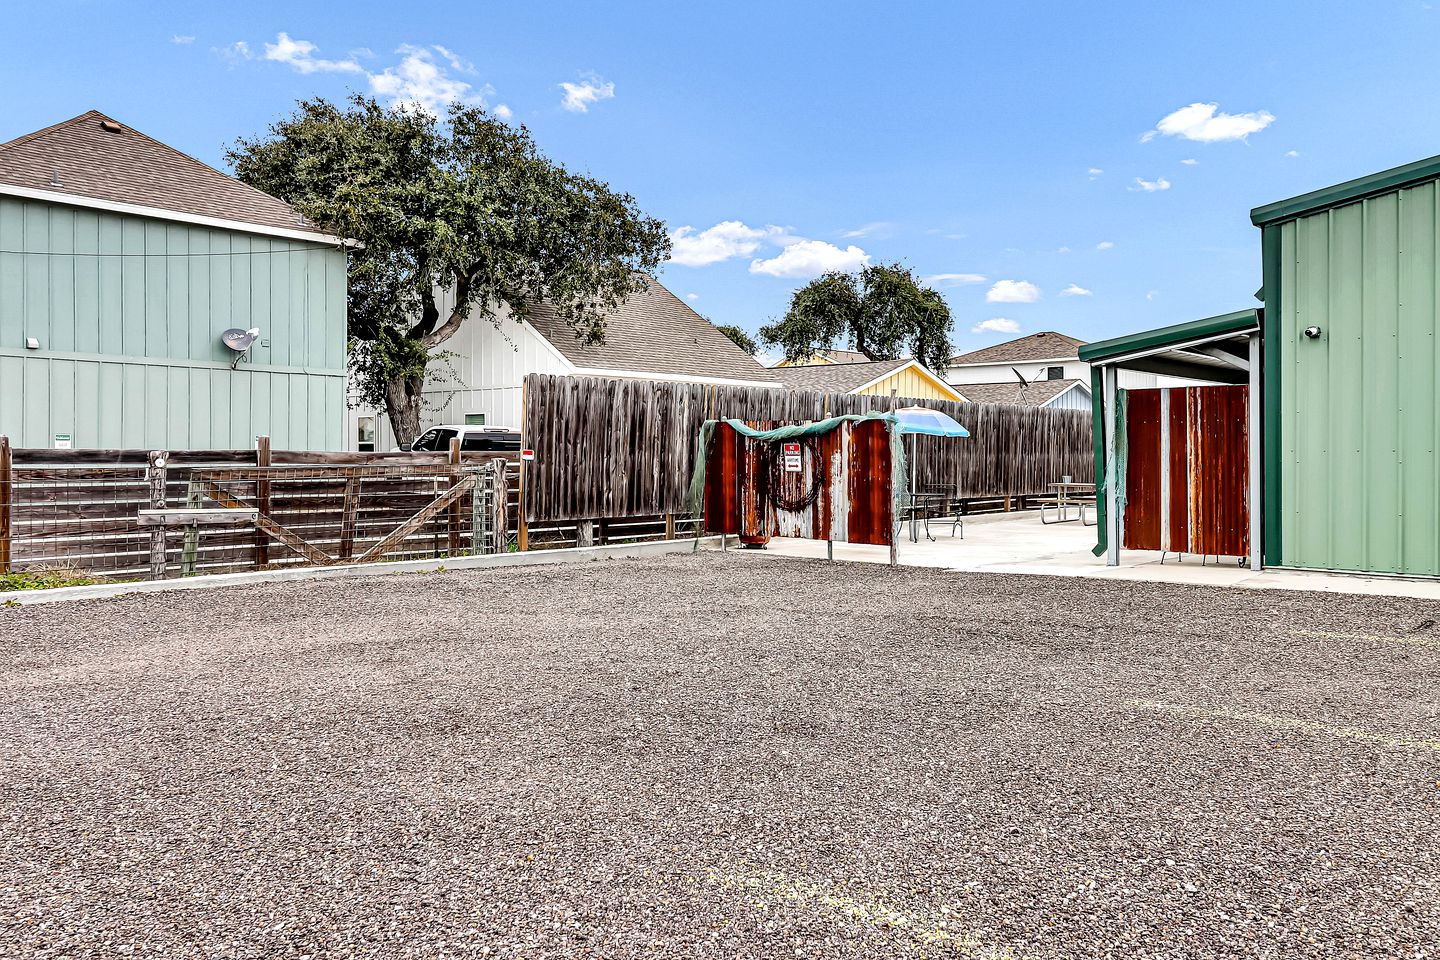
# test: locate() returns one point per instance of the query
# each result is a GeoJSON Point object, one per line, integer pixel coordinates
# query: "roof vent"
{"type": "Point", "coordinates": [55, 179]}
{"type": "Point", "coordinates": [110, 126]}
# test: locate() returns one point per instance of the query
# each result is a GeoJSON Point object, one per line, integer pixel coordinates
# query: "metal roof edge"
{"type": "Point", "coordinates": [1348, 192]}
{"type": "Point", "coordinates": [1103, 350]}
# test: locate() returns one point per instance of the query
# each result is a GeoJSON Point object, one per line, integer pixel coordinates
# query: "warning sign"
{"type": "Point", "coordinates": [792, 458]}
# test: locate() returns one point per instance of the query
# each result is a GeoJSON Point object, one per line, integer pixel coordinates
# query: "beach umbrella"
{"type": "Point", "coordinates": [930, 422]}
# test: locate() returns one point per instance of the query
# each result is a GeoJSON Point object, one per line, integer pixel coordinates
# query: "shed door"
{"type": "Point", "coordinates": [1187, 471]}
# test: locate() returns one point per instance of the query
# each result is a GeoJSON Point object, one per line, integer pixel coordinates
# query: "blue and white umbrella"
{"type": "Point", "coordinates": [930, 422]}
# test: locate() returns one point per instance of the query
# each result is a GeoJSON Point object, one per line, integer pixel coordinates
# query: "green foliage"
{"type": "Point", "coordinates": [882, 310]}
{"type": "Point", "coordinates": [739, 337]}
{"type": "Point", "coordinates": [44, 580]}
{"type": "Point", "coordinates": [454, 215]}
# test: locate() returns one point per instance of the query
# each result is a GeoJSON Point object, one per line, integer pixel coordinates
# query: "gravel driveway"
{"type": "Point", "coordinates": [720, 756]}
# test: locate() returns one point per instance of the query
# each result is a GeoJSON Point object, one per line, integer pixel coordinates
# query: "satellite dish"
{"type": "Point", "coordinates": [239, 341]}
{"type": "Point", "coordinates": [1023, 382]}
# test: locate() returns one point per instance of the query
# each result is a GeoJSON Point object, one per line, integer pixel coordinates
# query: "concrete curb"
{"type": "Point", "coordinates": [104, 591]}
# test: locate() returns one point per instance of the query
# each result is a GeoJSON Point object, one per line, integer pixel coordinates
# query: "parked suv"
{"type": "Point", "coordinates": [473, 439]}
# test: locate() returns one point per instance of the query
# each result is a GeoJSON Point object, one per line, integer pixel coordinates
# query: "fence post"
{"type": "Point", "coordinates": [501, 520]}
{"type": "Point", "coordinates": [585, 533]}
{"type": "Point", "coordinates": [155, 477]}
{"type": "Point", "coordinates": [7, 484]}
{"type": "Point", "coordinates": [262, 501]}
{"type": "Point", "coordinates": [453, 540]}
{"type": "Point", "coordinates": [669, 526]}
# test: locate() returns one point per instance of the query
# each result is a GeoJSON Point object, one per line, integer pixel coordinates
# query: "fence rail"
{"type": "Point", "coordinates": [617, 448]}
{"type": "Point", "coordinates": [128, 513]}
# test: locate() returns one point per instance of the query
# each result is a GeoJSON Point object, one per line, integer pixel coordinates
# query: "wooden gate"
{"type": "Point", "coordinates": [1187, 470]}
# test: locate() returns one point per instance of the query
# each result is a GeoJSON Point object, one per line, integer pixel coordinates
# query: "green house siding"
{"type": "Point", "coordinates": [1357, 409]}
{"type": "Point", "coordinates": [128, 312]}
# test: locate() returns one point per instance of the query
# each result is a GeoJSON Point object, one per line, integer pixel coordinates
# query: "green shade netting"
{"type": "Point", "coordinates": [790, 432]}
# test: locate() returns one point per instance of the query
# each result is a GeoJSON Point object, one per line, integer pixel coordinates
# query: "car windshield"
{"type": "Point", "coordinates": [436, 438]}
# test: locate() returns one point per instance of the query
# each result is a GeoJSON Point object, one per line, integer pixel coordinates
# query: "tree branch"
{"type": "Point", "coordinates": [457, 316]}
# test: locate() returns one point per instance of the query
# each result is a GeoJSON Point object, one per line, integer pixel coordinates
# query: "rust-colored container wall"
{"type": "Point", "coordinates": [842, 491]}
{"type": "Point", "coordinates": [1187, 471]}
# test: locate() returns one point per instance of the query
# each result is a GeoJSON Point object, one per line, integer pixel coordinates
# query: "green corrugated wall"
{"type": "Point", "coordinates": [130, 354]}
{"type": "Point", "coordinates": [1359, 475]}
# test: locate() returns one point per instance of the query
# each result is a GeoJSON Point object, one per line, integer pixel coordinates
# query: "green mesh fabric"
{"type": "Point", "coordinates": [790, 432]}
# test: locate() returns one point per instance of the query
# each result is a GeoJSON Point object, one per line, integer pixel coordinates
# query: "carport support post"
{"type": "Point", "coordinates": [1256, 500]}
{"type": "Point", "coordinates": [1112, 467]}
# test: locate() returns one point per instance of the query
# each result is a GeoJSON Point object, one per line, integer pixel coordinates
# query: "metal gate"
{"type": "Point", "coordinates": [1186, 468]}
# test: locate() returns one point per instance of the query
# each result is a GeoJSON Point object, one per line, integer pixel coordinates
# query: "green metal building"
{"type": "Point", "coordinates": [122, 261]}
{"type": "Point", "coordinates": [1347, 431]}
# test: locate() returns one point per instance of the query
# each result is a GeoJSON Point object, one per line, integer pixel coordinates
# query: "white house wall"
{"type": "Point", "coordinates": [488, 364]}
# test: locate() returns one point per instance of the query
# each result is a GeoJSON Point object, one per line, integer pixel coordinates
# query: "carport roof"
{"type": "Point", "coordinates": [1173, 339]}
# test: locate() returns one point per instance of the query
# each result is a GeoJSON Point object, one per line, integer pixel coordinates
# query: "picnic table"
{"type": "Point", "coordinates": [1067, 494]}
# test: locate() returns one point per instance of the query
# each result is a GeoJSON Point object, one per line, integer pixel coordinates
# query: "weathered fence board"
{"type": "Point", "coordinates": [613, 448]}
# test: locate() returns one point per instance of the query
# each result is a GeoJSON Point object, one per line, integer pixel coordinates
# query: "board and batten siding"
{"type": "Point", "coordinates": [480, 370]}
{"type": "Point", "coordinates": [907, 383]}
{"type": "Point", "coordinates": [1359, 413]}
{"type": "Point", "coordinates": [128, 312]}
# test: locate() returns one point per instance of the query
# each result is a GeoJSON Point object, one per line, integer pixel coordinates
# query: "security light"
{"type": "Point", "coordinates": [1312, 333]}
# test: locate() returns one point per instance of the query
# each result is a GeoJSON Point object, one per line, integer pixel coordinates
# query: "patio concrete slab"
{"type": "Point", "coordinates": [1020, 543]}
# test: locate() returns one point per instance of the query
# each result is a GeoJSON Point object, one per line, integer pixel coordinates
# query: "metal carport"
{"type": "Point", "coordinates": [1215, 350]}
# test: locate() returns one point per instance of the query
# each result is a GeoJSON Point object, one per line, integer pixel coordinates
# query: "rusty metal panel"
{"type": "Point", "coordinates": [1220, 470]}
{"type": "Point", "coordinates": [1187, 470]}
{"type": "Point", "coordinates": [842, 491]}
{"type": "Point", "coordinates": [1143, 497]}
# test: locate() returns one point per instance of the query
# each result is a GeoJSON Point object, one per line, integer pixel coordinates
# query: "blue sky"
{"type": "Point", "coordinates": [1013, 150]}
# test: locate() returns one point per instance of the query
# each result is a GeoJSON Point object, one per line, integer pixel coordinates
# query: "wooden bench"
{"type": "Point", "coordinates": [191, 519]}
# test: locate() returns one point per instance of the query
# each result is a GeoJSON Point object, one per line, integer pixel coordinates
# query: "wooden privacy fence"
{"type": "Point", "coordinates": [133, 513]}
{"type": "Point", "coordinates": [618, 448]}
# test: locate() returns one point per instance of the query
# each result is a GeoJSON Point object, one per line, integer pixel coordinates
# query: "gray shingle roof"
{"type": "Point", "coordinates": [82, 158]}
{"type": "Point", "coordinates": [653, 332]}
{"type": "Point", "coordinates": [835, 377]}
{"type": "Point", "coordinates": [1039, 392]}
{"type": "Point", "coordinates": [1046, 345]}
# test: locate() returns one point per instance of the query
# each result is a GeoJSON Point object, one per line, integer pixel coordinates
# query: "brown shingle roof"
{"type": "Point", "coordinates": [835, 377]}
{"type": "Point", "coordinates": [1038, 393]}
{"type": "Point", "coordinates": [653, 332]}
{"type": "Point", "coordinates": [1047, 345]}
{"type": "Point", "coordinates": [82, 158]}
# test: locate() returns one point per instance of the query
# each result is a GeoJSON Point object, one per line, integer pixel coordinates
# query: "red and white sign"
{"type": "Point", "coordinates": [792, 449]}
{"type": "Point", "coordinates": [527, 454]}
{"type": "Point", "coordinates": [792, 458]}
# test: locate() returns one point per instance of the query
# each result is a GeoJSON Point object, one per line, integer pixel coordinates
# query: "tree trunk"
{"type": "Point", "coordinates": [402, 405]}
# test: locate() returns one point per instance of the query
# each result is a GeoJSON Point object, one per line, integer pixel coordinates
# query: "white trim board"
{"type": "Point", "coordinates": [160, 213]}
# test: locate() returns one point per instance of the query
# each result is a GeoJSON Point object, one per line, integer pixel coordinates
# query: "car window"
{"type": "Point", "coordinates": [436, 438]}
{"type": "Point", "coordinates": [491, 442]}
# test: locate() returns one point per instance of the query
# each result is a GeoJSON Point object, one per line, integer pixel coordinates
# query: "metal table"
{"type": "Point", "coordinates": [1069, 494]}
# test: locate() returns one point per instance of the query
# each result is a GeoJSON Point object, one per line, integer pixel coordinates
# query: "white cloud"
{"type": "Point", "coordinates": [724, 241]}
{"type": "Point", "coordinates": [1189, 163]}
{"type": "Point", "coordinates": [1152, 294]}
{"type": "Point", "coordinates": [418, 81]}
{"type": "Point", "coordinates": [237, 51]}
{"type": "Point", "coordinates": [503, 112]}
{"type": "Point", "coordinates": [455, 60]}
{"type": "Point", "coordinates": [1013, 291]}
{"type": "Point", "coordinates": [1095, 172]}
{"type": "Point", "coordinates": [1292, 153]}
{"type": "Point", "coordinates": [997, 325]}
{"type": "Point", "coordinates": [1075, 290]}
{"type": "Point", "coordinates": [182, 38]}
{"type": "Point", "coordinates": [1104, 245]}
{"type": "Point", "coordinates": [1063, 250]}
{"type": "Point", "coordinates": [810, 258]}
{"type": "Point", "coordinates": [880, 226]}
{"type": "Point", "coordinates": [1150, 186]}
{"type": "Point", "coordinates": [952, 279]}
{"type": "Point", "coordinates": [579, 97]}
{"type": "Point", "coordinates": [300, 54]}
{"type": "Point", "coordinates": [692, 297]}
{"type": "Point", "coordinates": [1203, 122]}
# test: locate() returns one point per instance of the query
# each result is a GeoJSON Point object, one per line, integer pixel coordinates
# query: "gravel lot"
{"type": "Point", "coordinates": [720, 756]}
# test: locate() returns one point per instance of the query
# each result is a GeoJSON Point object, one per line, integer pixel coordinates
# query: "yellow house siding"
{"type": "Point", "coordinates": [910, 383]}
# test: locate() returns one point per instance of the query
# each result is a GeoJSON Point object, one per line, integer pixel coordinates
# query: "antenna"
{"type": "Point", "coordinates": [239, 341]}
